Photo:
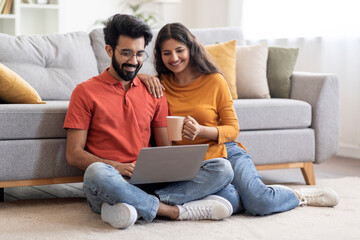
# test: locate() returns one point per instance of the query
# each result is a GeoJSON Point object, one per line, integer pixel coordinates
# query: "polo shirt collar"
{"type": "Point", "coordinates": [110, 80]}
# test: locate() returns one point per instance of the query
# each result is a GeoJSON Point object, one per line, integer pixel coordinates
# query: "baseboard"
{"type": "Point", "coordinates": [35, 182]}
{"type": "Point", "coordinates": [350, 151]}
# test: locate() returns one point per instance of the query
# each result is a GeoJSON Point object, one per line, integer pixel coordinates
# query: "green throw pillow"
{"type": "Point", "coordinates": [280, 65]}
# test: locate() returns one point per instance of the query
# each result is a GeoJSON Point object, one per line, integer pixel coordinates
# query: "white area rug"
{"type": "Point", "coordinates": [72, 219]}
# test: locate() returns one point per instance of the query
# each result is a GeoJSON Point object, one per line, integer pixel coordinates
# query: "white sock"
{"type": "Point", "coordinates": [181, 209]}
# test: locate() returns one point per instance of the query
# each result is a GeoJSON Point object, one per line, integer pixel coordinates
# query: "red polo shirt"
{"type": "Point", "coordinates": [118, 123]}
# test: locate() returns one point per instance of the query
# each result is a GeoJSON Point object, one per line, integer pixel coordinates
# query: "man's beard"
{"type": "Point", "coordinates": [125, 75]}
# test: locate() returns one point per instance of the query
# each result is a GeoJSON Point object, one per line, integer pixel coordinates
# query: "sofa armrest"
{"type": "Point", "coordinates": [321, 91]}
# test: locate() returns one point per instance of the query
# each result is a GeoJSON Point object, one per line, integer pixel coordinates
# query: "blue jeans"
{"type": "Point", "coordinates": [103, 183]}
{"type": "Point", "coordinates": [248, 193]}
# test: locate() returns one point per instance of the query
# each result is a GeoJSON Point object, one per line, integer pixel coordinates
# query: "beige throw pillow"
{"type": "Point", "coordinates": [251, 62]}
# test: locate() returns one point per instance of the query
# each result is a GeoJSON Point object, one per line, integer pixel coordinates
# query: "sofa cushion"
{"type": "Point", "coordinates": [261, 114]}
{"type": "Point", "coordinates": [34, 159]}
{"type": "Point", "coordinates": [52, 64]}
{"type": "Point", "coordinates": [14, 89]}
{"type": "Point", "coordinates": [98, 45]}
{"type": "Point", "coordinates": [279, 146]}
{"type": "Point", "coordinates": [223, 55]}
{"type": "Point", "coordinates": [29, 121]}
{"type": "Point", "coordinates": [251, 78]}
{"type": "Point", "coordinates": [280, 65]}
{"type": "Point", "coordinates": [205, 36]}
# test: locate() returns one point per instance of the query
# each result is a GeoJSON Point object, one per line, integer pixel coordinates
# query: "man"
{"type": "Point", "coordinates": [110, 118]}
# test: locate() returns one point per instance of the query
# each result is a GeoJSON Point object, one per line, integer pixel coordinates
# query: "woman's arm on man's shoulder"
{"type": "Point", "coordinates": [152, 84]}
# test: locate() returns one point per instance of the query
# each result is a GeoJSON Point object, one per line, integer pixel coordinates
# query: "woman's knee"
{"type": "Point", "coordinates": [231, 194]}
{"type": "Point", "coordinates": [223, 170]}
{"type": "Point", "coordinates": [260, 208]}
{"type": "Point", "coordinates": [228, 170]}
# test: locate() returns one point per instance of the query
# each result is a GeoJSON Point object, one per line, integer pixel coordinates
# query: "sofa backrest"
{"type": "Point", "coordinates": [53, 64]}
{"type": "Point", "coordinates": [204, 35]}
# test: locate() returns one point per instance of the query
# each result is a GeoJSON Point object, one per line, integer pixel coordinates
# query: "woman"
{"type": "Point", "coordinates": [196, 88]}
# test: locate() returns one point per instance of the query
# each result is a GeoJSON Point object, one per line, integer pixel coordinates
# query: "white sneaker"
{"type": "Point", "coordinates": [212, 207]}
{"type": "Point", "coordinates": [317, 196]}
{"type": "Point", "coordinates": [120, 215]}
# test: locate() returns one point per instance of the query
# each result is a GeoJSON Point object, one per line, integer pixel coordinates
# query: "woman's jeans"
{"type": "Point", "coordinates": [248, 193]}
{"type": "Point", "coordinates": [103, 183]}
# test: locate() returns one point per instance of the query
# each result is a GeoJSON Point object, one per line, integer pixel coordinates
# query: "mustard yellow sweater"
{"type": "Point", "coordinates": [209, 102]}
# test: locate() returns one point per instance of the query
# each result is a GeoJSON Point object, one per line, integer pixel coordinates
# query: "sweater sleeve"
{"type": "Point", "coordinates": [229, 126]}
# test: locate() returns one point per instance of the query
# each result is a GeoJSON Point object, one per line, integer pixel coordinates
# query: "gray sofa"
{"type": "Point", "coordinates": [279, 133]}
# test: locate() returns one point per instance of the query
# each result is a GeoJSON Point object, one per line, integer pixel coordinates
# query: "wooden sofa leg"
{"type": "Point", "coordinates": [308, 173]}
{"type": "Point", "coordinates": [2, 195]}
{"type": "Point", "coordinates": [307, 169]}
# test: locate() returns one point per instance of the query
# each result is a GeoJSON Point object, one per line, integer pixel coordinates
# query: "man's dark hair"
{"type": "Point", "coordinates": [126, 25]}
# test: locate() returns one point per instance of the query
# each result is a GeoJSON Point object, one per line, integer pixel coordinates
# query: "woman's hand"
{"type": "Point", "coordinates": [191, 128]}
{"type": "Point", "coordinates": [153, 84]}
{"type": "Point", "coordinates": [125, 169]}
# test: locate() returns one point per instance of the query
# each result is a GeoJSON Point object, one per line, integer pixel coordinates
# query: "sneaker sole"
{"type": "Point", "coordinates": [120, 215]}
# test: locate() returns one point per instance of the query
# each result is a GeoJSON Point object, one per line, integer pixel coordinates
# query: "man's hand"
{"type": "Point", "coordinates": [125, 169]}
{"type": "Point", "coordinates": [191, 128]}
{"type": "Point", "coordinates": [153, 84]}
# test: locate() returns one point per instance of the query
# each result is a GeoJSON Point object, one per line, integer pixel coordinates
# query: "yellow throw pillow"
{"type": "Point", "coordinates": [14, 89]}
{"type": "Point", "coordinates": [223, 54]}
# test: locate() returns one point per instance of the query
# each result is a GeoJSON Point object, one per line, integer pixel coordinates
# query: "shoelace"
{"type": "Point", "coordinates": [198, 213]}
{"type": "Point", "coordinates": [304, 199]}
{"type": "Point", "coordinates": [303, 202]}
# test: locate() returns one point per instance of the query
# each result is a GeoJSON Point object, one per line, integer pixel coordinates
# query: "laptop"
{"type": "Point", "coordinates": [168, 164]}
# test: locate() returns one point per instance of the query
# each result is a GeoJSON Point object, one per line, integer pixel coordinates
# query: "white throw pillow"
{"type": "Point", "coordinates": [251, 78]}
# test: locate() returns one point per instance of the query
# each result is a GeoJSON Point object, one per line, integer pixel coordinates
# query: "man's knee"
{"type": "Point", "coordinates": [95, 172]}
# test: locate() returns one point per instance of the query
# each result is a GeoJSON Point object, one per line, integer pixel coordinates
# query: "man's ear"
{"type": "Point", "coordinates": [109, 50]}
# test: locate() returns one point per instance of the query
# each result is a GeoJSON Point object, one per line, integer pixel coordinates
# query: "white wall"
{"type": "Point", "coordinates": [211, 13]}
{"type": "Point", "coordinates": [80, 15]}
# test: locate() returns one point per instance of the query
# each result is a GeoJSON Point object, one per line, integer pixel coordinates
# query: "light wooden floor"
{"type": "Point", "coordinates": [335, 167]}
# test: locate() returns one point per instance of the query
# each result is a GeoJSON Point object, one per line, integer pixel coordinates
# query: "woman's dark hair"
{"type": "Point", "coordinates": [199, 58]}
{"type": "Point", "coordinates": [127, 25]}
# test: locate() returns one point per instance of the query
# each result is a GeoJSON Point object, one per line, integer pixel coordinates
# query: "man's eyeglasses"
{"type": "Point", "coordinates": [126, 55]}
